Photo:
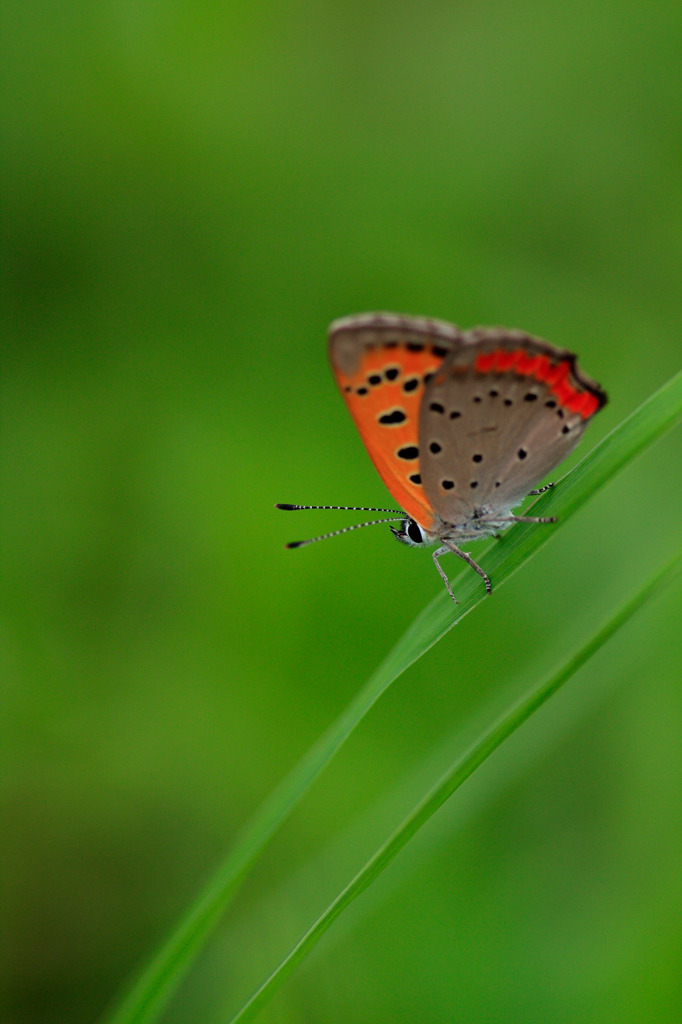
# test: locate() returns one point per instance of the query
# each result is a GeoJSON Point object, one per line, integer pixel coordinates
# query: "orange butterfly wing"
{"type": "Point", "coordinates": [381, 363]}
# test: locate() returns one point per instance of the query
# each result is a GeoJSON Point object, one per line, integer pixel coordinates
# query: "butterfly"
{"type": "Point", "coordinates": [459, 424]}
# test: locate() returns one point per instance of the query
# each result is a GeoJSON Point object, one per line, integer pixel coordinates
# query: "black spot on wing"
{"type": "Point", "coordinates": [392, 418]}
{"type": "Point", "coordinates": [408, 452]}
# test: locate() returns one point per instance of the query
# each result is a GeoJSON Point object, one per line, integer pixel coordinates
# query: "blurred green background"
{"type": "Point", "coordinates": [191, 192]}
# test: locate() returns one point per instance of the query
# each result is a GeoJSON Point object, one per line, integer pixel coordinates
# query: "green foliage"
{"type": "Point", "coordinates": [190, 194]}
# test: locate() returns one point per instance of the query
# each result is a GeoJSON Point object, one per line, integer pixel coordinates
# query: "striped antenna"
{"type": "Point", "coordinates": [397, 516]}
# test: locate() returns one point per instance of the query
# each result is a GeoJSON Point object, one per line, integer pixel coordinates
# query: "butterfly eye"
{"type": "Point", "coordinates": [414, 532]}
{"type": "Point", "coordinates": [409, 532]}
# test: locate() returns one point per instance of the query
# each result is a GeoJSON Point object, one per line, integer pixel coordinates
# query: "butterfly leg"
{"type": "Point", "coordinates": [436, 554]}
{"type": "Point", "coordinates": [541, 490]}
{"type": "Point", "coordinates": [468, 559]}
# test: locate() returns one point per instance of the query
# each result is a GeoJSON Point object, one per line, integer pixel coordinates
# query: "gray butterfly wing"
{"type": "Point", "coordinates": [352, 337]}
{"type": "Point", "coordinates": [502, 411]}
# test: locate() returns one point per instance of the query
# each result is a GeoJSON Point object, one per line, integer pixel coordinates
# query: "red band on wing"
{"type": "Point", "coordinates": [557, 376]}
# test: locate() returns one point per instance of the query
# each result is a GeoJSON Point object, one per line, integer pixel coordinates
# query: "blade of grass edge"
{"type": "Point", "coordinates": [150, 990]}
{"type": "Point", "coordinates": [451, 781]}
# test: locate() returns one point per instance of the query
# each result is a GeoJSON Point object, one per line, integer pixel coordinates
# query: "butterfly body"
{"type": "Point", "coordinates": [459, 424]}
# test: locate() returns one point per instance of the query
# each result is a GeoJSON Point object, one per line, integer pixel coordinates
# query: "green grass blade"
{"type": "Point", "coordinates": [153, 987]}
{"type": "Point", "coordinates": [456, 775]}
